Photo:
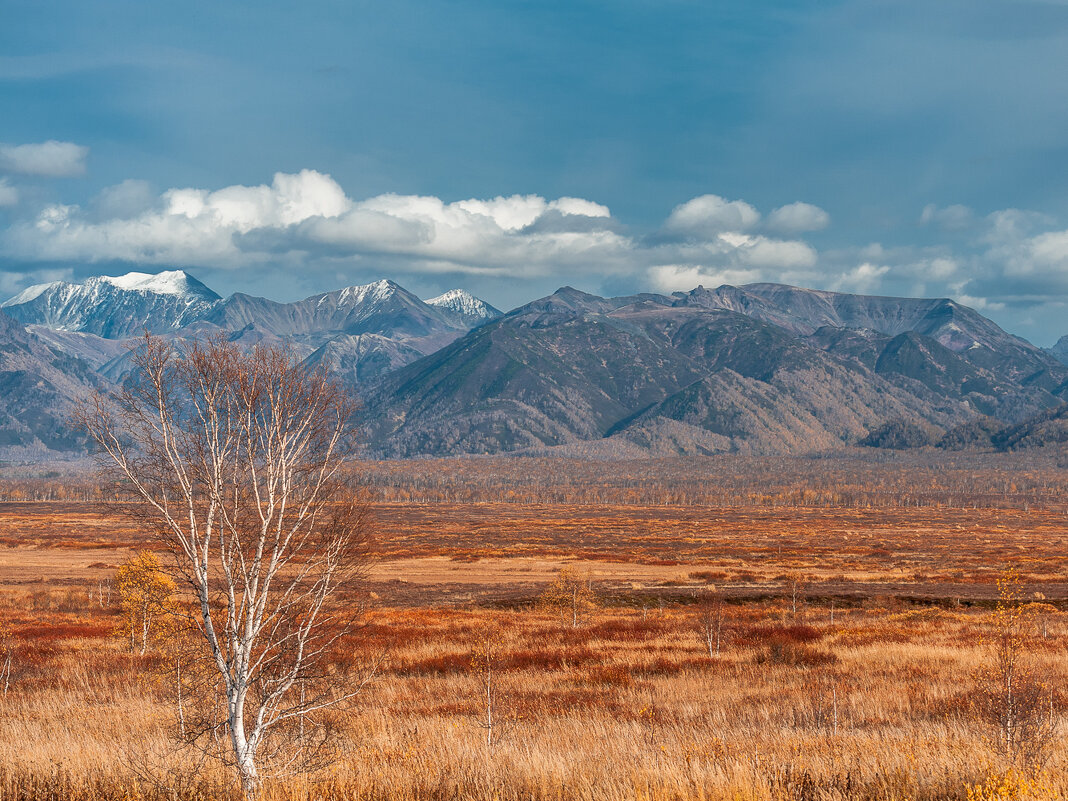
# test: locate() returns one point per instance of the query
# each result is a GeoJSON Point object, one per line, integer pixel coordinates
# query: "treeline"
{"type": "Point", "coordinates": [70, 489]}
{"type": "Point", "coordinates": [1009, 481]}
{"type": "Point", "coordinates": [867, 480]}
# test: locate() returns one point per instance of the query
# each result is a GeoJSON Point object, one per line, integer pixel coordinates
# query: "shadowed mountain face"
{"type": "Point", "coordinates": [383, 308]}
{"type": "Point", "coordinates": [762, 369]}
{"type": "Point", "coordinates": [80, 335]}
{"type": "Point", "coordinates": [38, 388]}
{"type": "Point", "coordinates": [1060, 350]}
{"type": "Point", "coordinates": [757, 369]}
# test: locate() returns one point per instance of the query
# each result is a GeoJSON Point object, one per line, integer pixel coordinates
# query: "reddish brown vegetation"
{"type": "Point", "coordinates": [874, 705]}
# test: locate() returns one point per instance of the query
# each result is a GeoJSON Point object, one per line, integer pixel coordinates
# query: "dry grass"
{"type": "Point", "coordinates": [629, 705]}
{"type": "Point", "coordinates": [874, 705]}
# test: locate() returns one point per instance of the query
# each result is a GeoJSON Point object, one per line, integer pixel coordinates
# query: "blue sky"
{"type": "Point", "coordinates": [902, 147]}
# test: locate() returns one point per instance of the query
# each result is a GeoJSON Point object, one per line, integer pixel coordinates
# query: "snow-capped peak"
{"type": "Point", "coordinates": [168, 282]}
{"type": "Point", "coordinates": [115, 306]}
{"type": "Point", "coordinates": [31, 292]}
{"type": "Point", "coordinates": [364, 293]}
{"type": "Point", "coordinates": [462, 302]}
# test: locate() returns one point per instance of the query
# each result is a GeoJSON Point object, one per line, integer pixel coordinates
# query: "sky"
{"type": "Point", "coordinates": [904, 147]}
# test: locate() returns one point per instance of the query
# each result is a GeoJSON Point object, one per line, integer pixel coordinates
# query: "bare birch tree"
{"type": "Point", "coordinates": [238, 461]}
{"type": "Point", "coordinates": [710, 622]}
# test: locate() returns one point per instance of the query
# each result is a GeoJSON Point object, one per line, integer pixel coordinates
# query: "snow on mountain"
{"type": "Point", "coordinates": [28, 294]}
{"type": "Point", "coordinates": [470, 310]}
{"type": "Point", "coordinates": [383, 308]}
{"type": "Point", "coordinates": [351, 296]}
{"type": "Point", "coordinates": [168, 282]}
{"type": "Point", "coordinates": [116, 306]}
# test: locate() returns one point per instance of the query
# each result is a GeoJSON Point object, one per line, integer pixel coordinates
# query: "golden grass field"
{"type": "Point", "coordinates": [877, 703]}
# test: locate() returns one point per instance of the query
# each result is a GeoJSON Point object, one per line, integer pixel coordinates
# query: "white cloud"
{"type": "Point", "coordinates": [1021, 255]}
{"type": "Point", "coordinates": [507, 213]}
{"type": "Point", "coordinates": [708, 215]}
{"type": "Point", "coordinates": [797, 218]}
{"type": "Point", "coordinates": [519, 211]}
{"type": "Point", "coordinates": [307, 216]}
{"type": "Point", "coordinates": [306, 221]}
{"type": "Point", "coordinates": [764, 252]}
{"type": "Point", "coordinates": [185, 226]}
{"type": "Point", "coordinates": [576, 206]}
{"type": "Point", "coordinates": [1050, 250]}
{"type": "Point", "coordinates": [684, 277]}
{"type": "Point", "coordinates": [53, 159]}
{"type": "Point", "coordinates": [941, 268]}
{"type": "Point", "coordinates": [9, 195]}
{"type": "Point", "coordinates": [471, 235]}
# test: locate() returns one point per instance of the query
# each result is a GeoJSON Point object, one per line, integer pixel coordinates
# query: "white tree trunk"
{"type": "Point", "coordinates": [244, 750]}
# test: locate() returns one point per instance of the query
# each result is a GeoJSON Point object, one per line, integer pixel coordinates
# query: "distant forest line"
{"type": "Point", "coordinates": [1020, 480]}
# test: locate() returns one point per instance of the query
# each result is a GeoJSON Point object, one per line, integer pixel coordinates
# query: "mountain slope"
{"type": "Point", "coordinates": [38, 388]}
{"type": "Point", "coordinates": [96, 320]}
{"type": "Point", "coordinates": [706, 371]}
{"type": "Point", "coordinates": [115, 307]}
{"type": "Point", "coordinates": [531, 379]}
{"type": "Point", "coordinates": [464, 308]}
{"type": "Point", "coordinates": [1059, 351]}
{"type": "Point", "coordinates": [383, 308]}
{"type": "Point", "coordinates": [763, 368]}
{"type": "Point", "coordinates": [361, 358]}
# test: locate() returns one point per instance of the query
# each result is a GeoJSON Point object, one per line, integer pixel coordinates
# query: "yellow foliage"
{"type": "Point", "coordinates": [146, 594]}
{"type": "Point", "coordinates": [1014, 786]}
{"type": "Point", "coordinates": [1010, 698]}
{"type": "Point", "coordinates": [570, 595]}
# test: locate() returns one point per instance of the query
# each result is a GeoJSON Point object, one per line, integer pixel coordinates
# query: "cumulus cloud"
{"type": "Point", "coordinates": [684, 277]}
{"type": "Point", "coordinates": [308, 216]}
{"type": "Point", "coordinates": [495, 236]}
{"type": "Point", "coordinates": [1021, 256]}
{"type": "Point", "coordinates": [797, 218]}
{"type": "Point", "coordinates": [1049, 250]}
{"type": "Point", "coordinates": [9, 195]}
{"type": "Point", "coordinates": [184, 226]}
{"type": "Point", "coordinates": [306, 222]}
{"type": "Point", "coordinates": [708, 215]}
{"type": "Point", "coordinates": [941, 268]}
{"type": "Point", "coordinates": [51, 159]}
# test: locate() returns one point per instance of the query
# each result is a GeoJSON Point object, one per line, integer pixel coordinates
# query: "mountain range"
{"type": "Point", "coordinates": [378, 327]}
{"type": "Point", "coordinates": [762, 368]}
